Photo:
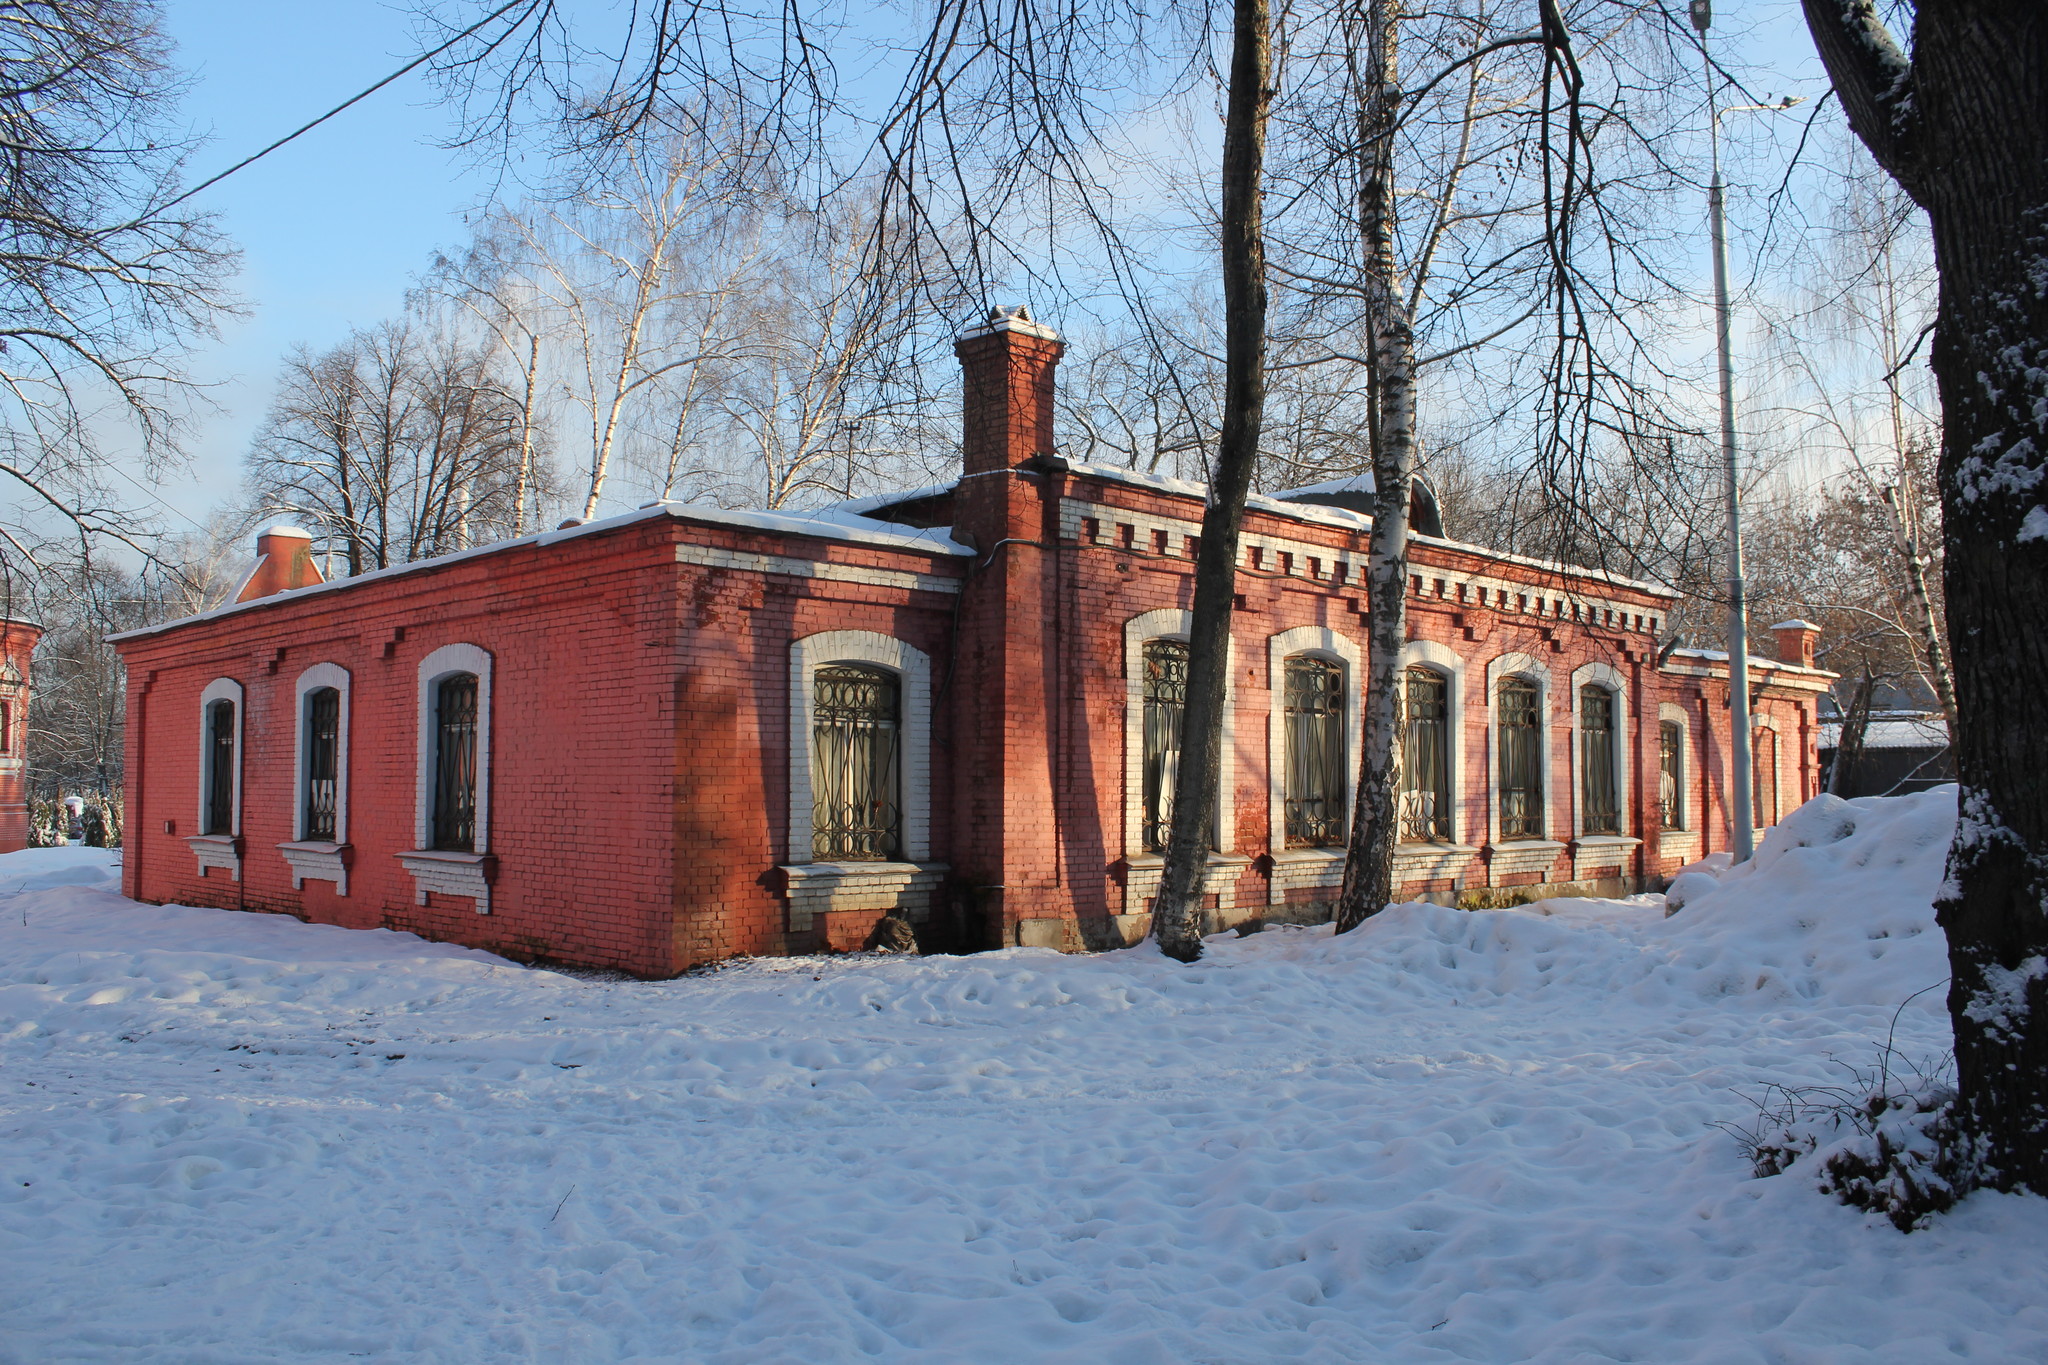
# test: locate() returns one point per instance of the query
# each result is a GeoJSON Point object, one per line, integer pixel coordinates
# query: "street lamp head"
{"type": "Point", "coordinates": [1702, 14]}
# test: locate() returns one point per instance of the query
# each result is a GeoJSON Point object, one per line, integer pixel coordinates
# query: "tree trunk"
{"type": "Point", "coordinates": [1963, 126]}
{"type": "Point", "coordinates": [1849, 744]}
{"type": "Point", "coordinates": [525, 474]}
{"type": "Point", "coordinates": [1177, 914]}
{"type": "Point", "coordinates": [1375, 817]}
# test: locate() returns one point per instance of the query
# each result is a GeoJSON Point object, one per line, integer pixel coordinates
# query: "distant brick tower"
{"type": "Point", "coordinates": [17, 643]}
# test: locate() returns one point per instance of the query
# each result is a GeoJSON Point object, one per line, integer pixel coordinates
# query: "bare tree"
{"type": "Point", "coordinates": [1962, 125]}
{"type": "Point", "coordinates": [399, 444]}
{"type": "Point", "coordinates": [104, 277]}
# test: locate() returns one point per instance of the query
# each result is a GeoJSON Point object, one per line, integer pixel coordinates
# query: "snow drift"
{"type": "Point", "coordinates": [1448, 1136]}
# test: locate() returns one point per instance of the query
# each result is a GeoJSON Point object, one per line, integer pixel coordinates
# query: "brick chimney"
{"type": "Point", "coordinates": [1008, 362]}
{"type": "Point", "coordinates": [1795, 641]}
{"type": "Point", "coordinates": [284, 560]}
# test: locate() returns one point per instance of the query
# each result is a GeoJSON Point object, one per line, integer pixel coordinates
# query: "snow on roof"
{"type": "Point", "coordinates": [287, 530]}
{"type": "Point", "coordinates": [1795, 624]}
{"type": "Point", "coordinates": [842, 526]}
{"type": "Point", "coordinates": [1895, 732]}
{"type": "Point", "coordinates": [1359, 521]}
{"type": "Point", "coordinates": [1720, 656]}
{"type": "Point", "coordinates": [1361, 482]}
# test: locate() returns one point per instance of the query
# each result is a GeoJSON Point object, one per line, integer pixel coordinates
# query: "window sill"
{"type": "Point", "coordinates": [451, 874]}
{"type": "Point", "coordinates": [320, 860]}
{"type": "Point", "coordinates": [217, 850]}
{"type": "Point", "coordinates": [1615, 841]}
{"type": "Point", "coordinates": [814, 889]}
{"type": "Point", "coordinates": [1511, 857]}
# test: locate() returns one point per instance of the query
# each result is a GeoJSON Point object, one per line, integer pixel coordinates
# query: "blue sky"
{"type": "Point", "coordinates": [333, 227]}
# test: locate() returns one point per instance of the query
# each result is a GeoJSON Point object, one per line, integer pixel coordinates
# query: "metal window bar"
{"type": "Point", "coordinates": [1425, 757]}
{"type": "Point", "coordinates": [455, 763]}
{"type": "Point", "coordinates": [1312, 802]}
{"type": "Point", "coordinates": [1521, 761]}
{"type": "Point", "coordinates": [1670, 775]}
{"type": "Point", "coordinates": [323, 761]}
{"type": "Point", "coordinates": [856, 811]}
{"type": "Point", "coordinates": [1166, 698]}
{"type": "Point", "coordinates": [1600, 811]}
{"type": "Point", "coordinates": [220, 768]}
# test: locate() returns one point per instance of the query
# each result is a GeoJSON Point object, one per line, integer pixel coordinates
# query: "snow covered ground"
{"type": "Point", "coordinates": [1447, 1137]}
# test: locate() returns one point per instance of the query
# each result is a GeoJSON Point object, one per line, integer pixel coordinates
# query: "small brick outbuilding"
{"type": "Point", "coordinates": [684, 734]}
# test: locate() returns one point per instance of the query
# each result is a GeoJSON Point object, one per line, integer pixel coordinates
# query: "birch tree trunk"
{"type": "Point", "coordinates": [1375, 822]}
{"type": "Point", "coordinates": [1177, 914]}
{"type": "Point", "coordinates": [1963, 127]}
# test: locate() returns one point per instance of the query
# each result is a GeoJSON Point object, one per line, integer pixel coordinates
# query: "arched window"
{"type": "Point", "coordinates": [219, 816]}
{"type": "Point", "coordinates": [1521, 759]}
{"type": "Point", "coordinates": [1671, 775]}
{"type": "Point", "coordinates": [856, 725]}
{"type": "Point", "coordinates": [6, 727]}
{"type": "Point", "coordinates": [1165, 698]}
{"type": "Point", "coordinates": [455, 768]}
{"type": "Point", "coordinates": [1425, 756]}
{"type": "Point", "coordinates": [323, 762]}
{"type": "Point", "coordinates": [1600, 810]}
{"type": "Point", "coordinates": [1313, 803]}
{"type": "Point", "coordinates": [1763, 772]}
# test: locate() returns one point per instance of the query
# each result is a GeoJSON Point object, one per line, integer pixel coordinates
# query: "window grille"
{"type": "Point", "coordinates": [1600, 812]}
{"type": "Point", "coordinates": [1521, 760]}
{"type": "Point", "coordinates": [1425, 756]}
{"type": "Point", "coordinates": [1313, 800]}
{"type": "Point", "coordinates": [1671, 775]}
{"type": "Point", "coordinates": [6, 727]}
{"type": "Point", "coordinates": [323, 760]}
{"type": "Point", "coordinates": [1166, 698]}
{"type": "Point", "coordinates": [220, 768]}
{"type": "Point", "coordinates": [455, 763]}
{"type": "Point", "coordinates": [857, 811]}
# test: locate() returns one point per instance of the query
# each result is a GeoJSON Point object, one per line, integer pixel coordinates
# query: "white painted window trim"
{"type": "Point", "coordinates": [221, 689]}
{"type": "Point", "coordinates": [310, 681]}
{"type": "Point", "coordinates": [1324, 643]}
{"type": "Point", "coordinates": [1170, 623]}
{"type": "Point", "coordinates": [914, 668]}
{"type": "Point", "coordinates": [1671, 713]}
{"type": "Point", "coordinates": [460, 658]}
{"type": "Point", "coordinates": [1444, 660]}
{"type": "Point", "coordinates": [1515, 664]}
{"type": "Point", "coordinates": [1609, 677]}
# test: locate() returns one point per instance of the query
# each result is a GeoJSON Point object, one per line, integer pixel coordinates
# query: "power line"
{"type": "Point", "coordinates": [352, 100]}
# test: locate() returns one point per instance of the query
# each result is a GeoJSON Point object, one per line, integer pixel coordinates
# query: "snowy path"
{"type": "Point", "coordinates": [1449, 1137]}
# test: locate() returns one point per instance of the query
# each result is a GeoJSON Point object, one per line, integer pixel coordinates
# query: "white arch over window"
{"type": "Point", "coordinates": [228, 690]}
{"type": "Point", "coordinates": [913, 667]}
{"type": "Point", "coordinates": [1170, 623]}
{"type": "Point", "coordinates": [442, 663]}
{"type": "Point", "coordinates": [1609, 677]}
{"type": "Point", "coordinates": [1324, 643]}
{"type": "Point", "coordinates": [1446, 661]}
{"type": "Point", "coordinates": [310, 681]}
{"type": "Point", "coordinates": [1669, 713]}
{"type": "Point", "coordinates": [1518, 665]}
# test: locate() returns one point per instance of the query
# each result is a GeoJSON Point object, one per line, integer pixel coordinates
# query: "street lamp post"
{"type": "Point", "coordinates": [1741, 813]}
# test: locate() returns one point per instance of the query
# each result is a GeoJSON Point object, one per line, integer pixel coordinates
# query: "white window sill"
{"type": "Point", "coordinates": [451, 874]}
{"type": "Point", "coordinates": [320, 860]}
{"type": "Point", "coordinates": [217, 850]}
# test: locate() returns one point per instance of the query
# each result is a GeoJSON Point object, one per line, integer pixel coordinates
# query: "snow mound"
{"type": "Point", "coordinates": [1838, 901]}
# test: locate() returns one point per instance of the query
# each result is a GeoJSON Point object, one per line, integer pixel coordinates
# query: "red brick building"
{"type": "Point", "coordinates": [17, 644]}
{"type": "Point", "coordinates": [682, 734]}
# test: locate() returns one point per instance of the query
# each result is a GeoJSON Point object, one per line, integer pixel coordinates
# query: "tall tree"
{"type": "Point", "coordinates": [1962, 125]}
{"type": "Point", "coordinates": [105, 277]}
{"type": "Point", "coordinates": [1177, 914]}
